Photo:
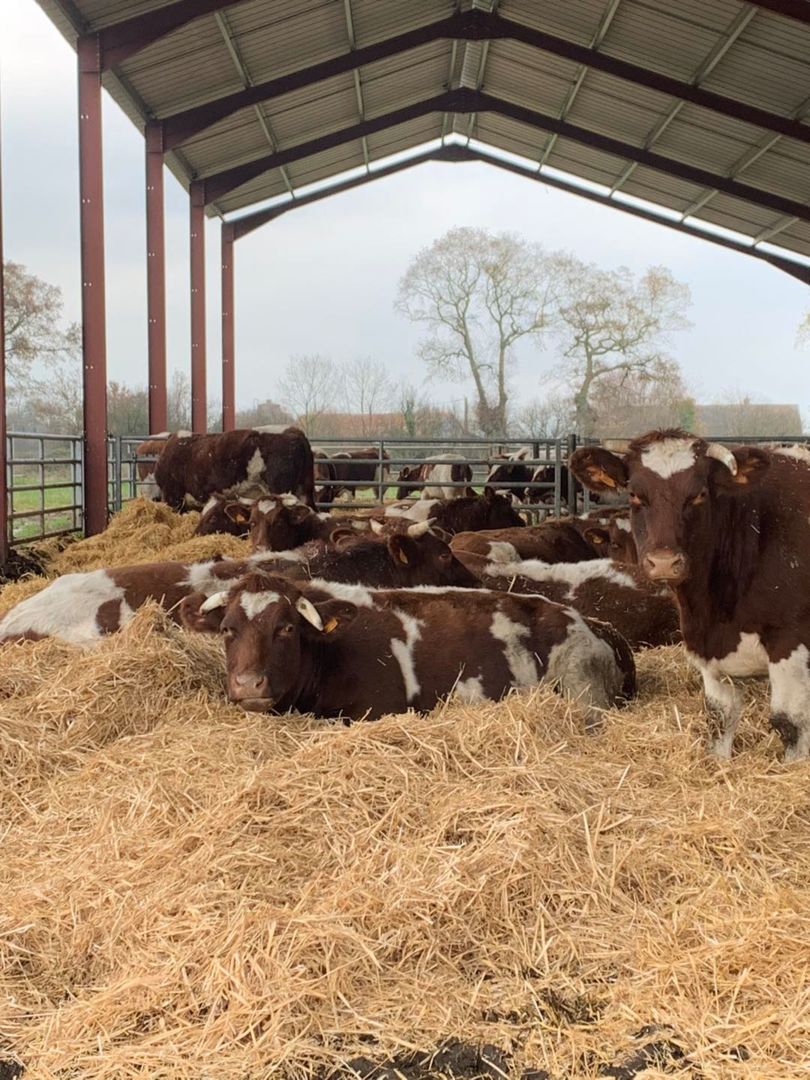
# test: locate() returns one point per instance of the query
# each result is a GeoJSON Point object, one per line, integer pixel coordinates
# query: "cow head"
{"type": "Point", "coordinates": [268, 625]}
{"type": "Point", "coordinates": [408, 474]}
{"type": "Point", "coordinates": [224, 515]}
{"type": "Point", "coordinates": [501, 514]}
{"type": "Point", "coordinates": [610, 537]}
{"type": "Point", "coordinates": [426, 558]}
{"type": "Point", "coordinates": [278, 525]}
{"type": "Point", "coordinates": [674, 481]}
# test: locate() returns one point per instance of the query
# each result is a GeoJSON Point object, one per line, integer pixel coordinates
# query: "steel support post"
{"type": "Point", "coordinates": [228, 331]}
{"type": "Point", "coordinates": [156, 278]}
{"type": "Point", "coordinates": [4, 536]}
{"type": "Point", "coordinates": [94, 345]}
{"type": "Point", "coordinates": [199, 400]}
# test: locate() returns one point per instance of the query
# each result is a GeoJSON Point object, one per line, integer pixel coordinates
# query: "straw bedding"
{"type": "Point", "coordinates": [191, 891]}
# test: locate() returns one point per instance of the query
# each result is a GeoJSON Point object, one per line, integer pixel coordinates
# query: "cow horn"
{"type": "Point", "coordinates": [419, 528]}
{"type": "Point", "coordinates": [218, 600]}
{"type": "Point", "coordinates": [309, 611]}
{"type": "Point", "coordinates": [723, 454]}
{"type": "Point", "coordinates": [376, 526]}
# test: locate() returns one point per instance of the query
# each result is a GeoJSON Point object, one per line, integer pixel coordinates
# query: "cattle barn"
{"type": "Point", "coordinates": [489, 888]}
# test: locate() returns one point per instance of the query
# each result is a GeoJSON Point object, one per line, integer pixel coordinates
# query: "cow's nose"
{"type": "Point", "coordinates": [665, 565]}
{"type": "Point", "coordinates": [252, 685]}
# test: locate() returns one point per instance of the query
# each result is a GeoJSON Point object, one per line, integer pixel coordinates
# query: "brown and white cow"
{"type": "Point", "coordinates": [222, 514]}
{"type": "Point", "coordinates": [146, 455]}
{"type": "Point", "coordinates": [281, 524]}
{"type": "Point", "coordinates": [346, 651]}
{"type": "Point", "coordinates": [729, 531]}
{"type": "Point", "coordinates": [469, 513]}
{"type": "Point", "coordinates": [568, 540]}
{"type": "Point", "coordinates": [643, 613]}
{"type": "Point", "coordinates": [237, 463]}
{"type": "Point", "coordinates": [436, 478]}
{"type": "Point", "coordinates": [83, 608]}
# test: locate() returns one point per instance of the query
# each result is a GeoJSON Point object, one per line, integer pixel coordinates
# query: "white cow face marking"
{"type": "Point", "coordinates": [669, 456]}
{"type": "Point", "coordinates": [254, 603]}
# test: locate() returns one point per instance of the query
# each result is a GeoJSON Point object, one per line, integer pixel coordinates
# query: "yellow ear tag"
{"type": "Point", "coordinates": [242, 517]}
{"type": "Point", "coordinates": [330, 626]}
{"type": "Point", "coordinates": [599, 476]}
{"type": "Point", "coordinates": [597, 539]}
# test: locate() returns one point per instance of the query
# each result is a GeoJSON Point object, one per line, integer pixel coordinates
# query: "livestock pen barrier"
{"type": "Point", "coordinates": [46, 489]}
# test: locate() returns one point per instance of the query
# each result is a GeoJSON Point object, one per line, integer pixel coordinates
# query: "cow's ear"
{"type": "Point", "coordinates": [297, 514]}
{"type": "Point", "coordinates": [236, 512]}
{"type": "Point", "coordinates": [335, 616]}
{"type": "Point", "coordinates": [598, 469]}
{"type": "Point", "coordinates": [752, 464]}
{"type": "Point", "coordinates": [343, 535]}
{"type": "Point", "coordinates": [403, 549]}
{"type": "Point", "coordinates": [192, 617]}
{"type": "Point", "coordinates": [597, 538]}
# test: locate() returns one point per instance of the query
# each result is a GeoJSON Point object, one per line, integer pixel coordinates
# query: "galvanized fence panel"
{"type": "Point", "coordinates": [45, 474]}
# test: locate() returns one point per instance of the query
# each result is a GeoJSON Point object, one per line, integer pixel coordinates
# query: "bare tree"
{"type": "Point", "coordinates": [33, 324]}
{"type": "Point", "coordinates": [628, 402]}
{"type": "Point", "coordinates": [477, 295]}
{"type": "Point", "coordinates": [550, 417]}
{"type": "Point", "coordinates": [307, 389]}
{"type": "Point", "coordinates": [366, 390]}
{"type": "Point", "coordinates": [609, 323]}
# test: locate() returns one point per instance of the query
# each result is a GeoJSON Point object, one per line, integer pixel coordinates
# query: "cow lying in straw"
{"type": "Point", "coordinates": [569, 540]}
{"type": "Point", "coordinates": [281, 523]}
{"type": "Point", "coordinates": [83, 608]}
{"type": "Point", "coordinates": [641, 611]}
{"type": "Point", "coordinates": [471, 513]}
{"type": "Point", "coordinates": [349, 651]}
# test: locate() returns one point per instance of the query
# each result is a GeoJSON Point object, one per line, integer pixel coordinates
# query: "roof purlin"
{"type": "Point", "coordinates": [478, 25]}
{"type": "Point", "coordinates": [466, 101]}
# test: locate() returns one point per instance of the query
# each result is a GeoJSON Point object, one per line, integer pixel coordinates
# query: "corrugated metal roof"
{"type": "Point", "coordinates": [728, 46]}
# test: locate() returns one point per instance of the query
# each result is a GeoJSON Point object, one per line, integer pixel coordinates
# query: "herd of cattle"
{"type": "Point", "coordinates": [454, 594]}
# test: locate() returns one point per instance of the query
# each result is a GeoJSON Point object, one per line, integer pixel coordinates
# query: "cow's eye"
{"type": "Point", "coordinates": [286, 629]}
{"type": "Point", "coordinates": [696, 500]}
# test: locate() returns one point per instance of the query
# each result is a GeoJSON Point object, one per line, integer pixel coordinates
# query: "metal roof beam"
{"type": "Point", "coordinates": [791, 9]}
{"type": "Point", "coordinates": [246, 224]}
{"type": "Point", "coordinates": [358, 89]}
{"type": "Point", "coordinates": [466, 101]}
{"type": "Point", "coordinates": [477, 25]}
{"type": "Point", "coordinates": [123, 39]}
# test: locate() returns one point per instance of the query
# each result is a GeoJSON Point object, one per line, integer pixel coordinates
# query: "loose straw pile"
{"type": "Point", "coordinates": [192, 892]}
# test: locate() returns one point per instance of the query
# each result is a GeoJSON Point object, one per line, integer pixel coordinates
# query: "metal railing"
{"type": "Point", "coordinates": [45, 474]}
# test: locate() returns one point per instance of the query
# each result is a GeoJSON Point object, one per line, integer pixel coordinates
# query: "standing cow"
{"type": "Point", "coordinates": [436, 478]}
{"type": "Point", "coordinates": [238, 463]}
{"type": "Point", "coordinates": [729, 531]}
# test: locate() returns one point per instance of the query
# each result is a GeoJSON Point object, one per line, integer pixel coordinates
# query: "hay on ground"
{"type": "Point", "coordinates": [188, 891]}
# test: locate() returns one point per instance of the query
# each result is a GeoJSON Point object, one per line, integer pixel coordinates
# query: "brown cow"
{"type": "Point", "coordinates": [146, 455]}
{"type": "Point", "coordinates": [729, 531]}
{"type": "Point", "coordinates": [470, 513]}
{"type": "Point", "coordinates": [349, 470]}
{"type": "Point", "coordinates": [280, 525]}
{"type": "Point", "coordinates": [568, 540]}
{"type": "Point", "coordinates": [347, 651]}
{"type": "Point", "coordinates": [222, 514]}
{"type": "Point", "coordinates": [236, 463]}
{"type": "Point", "coordinates": [643, 613]}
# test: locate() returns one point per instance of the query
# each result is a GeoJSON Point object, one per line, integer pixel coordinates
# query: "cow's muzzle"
{"type": "Point", "coordinates": [251, 691]}
{"type": "Point", "coordinates": [665, 565]}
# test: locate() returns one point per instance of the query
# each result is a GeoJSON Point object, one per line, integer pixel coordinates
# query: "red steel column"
{"type": "Point", "coordinates": [156, 278]}
{"type": "Point", "coordinates": [228, 332]}
{"type": "Point", "coordinates": [199, 403]}
{"type": "Point", "coordinates": [3, 477]}
{"type": "Point", "coordinates": [94, 344]}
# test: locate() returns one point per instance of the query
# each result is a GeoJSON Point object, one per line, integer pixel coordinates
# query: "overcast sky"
{"type": "Point", "coordinates": [323, 278]}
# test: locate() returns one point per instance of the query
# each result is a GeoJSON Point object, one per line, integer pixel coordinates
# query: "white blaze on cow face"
{"type": "Point", "coordinates": [623, 524]}
{"type": "Point", "coordinates": [67, 609]}
{"type": "Point", "coordinates": [470, 690]}
{"type": "Point", "coordinates": [402, 651]}
{"type": "Point", "coordinates": [790, 699]}
{"type": "Point", "coordinates": [521, 662]}
{"type": "Point", "coordinates": [254, 603]}
{"type": "Point", "coordinates": [669, 456]}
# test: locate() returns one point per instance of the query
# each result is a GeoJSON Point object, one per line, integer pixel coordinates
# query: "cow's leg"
{"type": "Point", "coordinates": [723, 704]}
{"type": "Point", "coordinates": [790, 702]}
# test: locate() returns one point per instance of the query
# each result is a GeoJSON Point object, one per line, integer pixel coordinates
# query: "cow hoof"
{"type": "Point", "coordinates": [721, 747]}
